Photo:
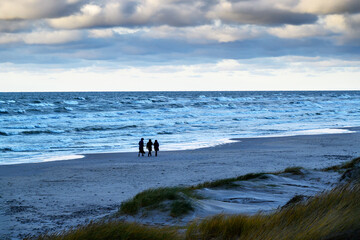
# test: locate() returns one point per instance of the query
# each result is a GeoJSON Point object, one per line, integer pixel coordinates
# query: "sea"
{"type": "Point", "coordinates": [46, 126]}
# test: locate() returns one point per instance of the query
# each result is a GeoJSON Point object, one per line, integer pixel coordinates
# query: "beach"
{"type": "Point", "coordinates": [52, 196]}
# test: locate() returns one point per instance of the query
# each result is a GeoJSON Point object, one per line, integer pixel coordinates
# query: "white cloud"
{"type": "Point", "coordinates": [279, 73]}
{"type": "Point", "coordinates": [302, 31]}
{"type": "Point", "coordinates": [101, 33]}
{"type": "Point", "coordinates": [34, 9]}
{"type": "Point", "coordinates": [41, 37]}
{"type": "Point", "coordinates": [205, 33]}
{"type": "Point", "coordinates": [346, 26]}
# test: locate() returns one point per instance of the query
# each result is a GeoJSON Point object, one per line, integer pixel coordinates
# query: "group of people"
{"type": "Point", "coordinates": [149, 145]}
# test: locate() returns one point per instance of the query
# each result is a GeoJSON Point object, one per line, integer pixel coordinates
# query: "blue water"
{"type": "Point", "coordinates": [37, 126]}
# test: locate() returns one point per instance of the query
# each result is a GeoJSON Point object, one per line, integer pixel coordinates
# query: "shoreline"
{"type": "Point", "coordinates": [48, 196]}
{"type": "Point", "coordinates": [197, 146]}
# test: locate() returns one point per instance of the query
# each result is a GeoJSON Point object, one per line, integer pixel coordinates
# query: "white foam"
{"type": "Point", "coordinates": [196, 145]}
{"type": "Point", "coordinates": [309, 132]}
{"type": "Point", "coordinates": [61, 158]}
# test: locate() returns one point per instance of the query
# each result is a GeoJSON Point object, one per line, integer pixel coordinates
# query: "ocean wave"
{"type": "Point", "coordinates": [4, 134]}
{"type": "Point", "coordinates": [102, 128]}
{"type": "Point", "coordinates": [20, 111]}
{"type": "Point", "coordinates": [34, 110]}
{"type": "Point", "coordinates": [63, 109]}
{"type": "Point", "coordinates": [4, 111]}
{"type": "Point", "coordinates": [71, 102]}
{"type": "Point", "coordinates": [31, 132]}
{"type": "Point", "coordinates": [80, 98]}
{"type": "Point", "coordinates": [6, 150]}
{"type": "Point", "coordinates": [165, 133]}
{"type": "Point", "coordinates": [41, 104]}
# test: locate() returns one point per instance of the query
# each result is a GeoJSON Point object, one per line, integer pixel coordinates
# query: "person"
{"type": "Point", "coordinates": [141, 147]}
{"type": "Point", "coordinates": [156, 147]}
{"type": "Point", "coordinates": [149, 147]}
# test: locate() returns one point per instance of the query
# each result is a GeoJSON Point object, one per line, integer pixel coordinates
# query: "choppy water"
{"type": "Point", "coordinates": [38, 126]}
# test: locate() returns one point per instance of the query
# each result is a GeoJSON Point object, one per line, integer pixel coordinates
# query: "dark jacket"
{"type": "Point", "coordinates": [149, 145]}
{"type": "Point", "coordinates": [156, 146]}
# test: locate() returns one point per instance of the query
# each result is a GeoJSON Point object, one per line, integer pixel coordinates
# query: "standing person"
{"type": "Point", "coordinates": [156, 147]}
{"type": "Point", "coordinates": [141, 147]}
{"type": "Point", "coordinates": [149, 147]}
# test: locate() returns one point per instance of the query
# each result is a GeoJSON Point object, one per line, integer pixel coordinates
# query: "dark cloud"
{"type": "Point", "coordinates": [264, 16]}
{"type": "Point", "coordinates": [11, 26]}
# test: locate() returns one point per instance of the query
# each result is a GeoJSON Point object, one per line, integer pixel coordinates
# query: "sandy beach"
{"type": "Point", "coordinates": [41, 197]}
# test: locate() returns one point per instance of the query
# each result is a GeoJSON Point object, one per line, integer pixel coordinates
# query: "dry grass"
{"type": "Point", "coordinates": [152, 199]}
{"type": "Point", "coordinates": [344, 166]}
{"type": "Point", "coordinates": [331, 215]}
{"type": "Point", "coordinates": [320, 217]}
{"type": "Point", "coordinates": [114, 230]}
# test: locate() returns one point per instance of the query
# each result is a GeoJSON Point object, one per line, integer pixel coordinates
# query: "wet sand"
{"type": "Point", "coordinates": [49, 196]}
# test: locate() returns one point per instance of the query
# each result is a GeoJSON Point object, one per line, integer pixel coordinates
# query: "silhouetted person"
{"type": "Point", "coordinates": [141, 147]}
{"type": "Point", "coordinates": [156, 147]}
{"type": "Point", "coordinates": [149, 147]}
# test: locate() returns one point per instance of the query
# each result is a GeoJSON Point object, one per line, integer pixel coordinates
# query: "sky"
{"type": "Point", "coordinates": [179, 45]}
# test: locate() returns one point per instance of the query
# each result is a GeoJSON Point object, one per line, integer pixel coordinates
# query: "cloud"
{"type": "Point", "coordinates": [101, 33]}
{"type": "Point", "coordinates": [283, 73]}
{"type": "Point", "coordinates": [329, 7]}
{"type": "Point", "coordinates": [129, 13]}
{"type": "Point", "coordinates": [206, 33]}
{"type": "Point", "coordinates": [347, 27]}
{"type": "Point", "coordinates": [13, 26]}
{"type": "Point", "coordinates": [259, 12]}
{"type": "Point", "coordinates": [302, 31]}
{"type": "Point", "coordinates": [36, 9]}
{"type": "Point", "coordinates": [41, 37]}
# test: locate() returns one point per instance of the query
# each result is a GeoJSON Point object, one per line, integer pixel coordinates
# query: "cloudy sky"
{"type": "Point", "coordinates": [137, 45]}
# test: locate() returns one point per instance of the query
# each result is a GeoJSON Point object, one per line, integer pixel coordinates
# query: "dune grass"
{"type": "Point", "coordinates": [321, 217]}
{"type": "Point", "coordinates": [229, 181]}
{"type": "Point", "coordinates": [331, 215]}
{"type": "Point", "coordinates": [344, 166]}
{"type": "Point", "coordinates": [114, 230]}
{"type": "Point", "coordinates": [294, 170]}
{"type": "Point", "coordinates": [152, 199]}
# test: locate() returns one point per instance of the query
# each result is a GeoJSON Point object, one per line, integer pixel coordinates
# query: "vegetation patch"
{"type": "Point", "coordinates": [114, 230]}
{"type": "Point", "coordinates": [320, 217]}
{"type": "Point", "coordinates": [229, 181]}
{"type": "Point", "coordinates": [180, 207]}
{"type": "Point", "coordinates": [345, 166]}
{"type": "Point", "coordinates": [294, 170]}
{"type": "Point", "coordinates": [330, 215]}
{"type": "Point", "coordinates": [152, 198]}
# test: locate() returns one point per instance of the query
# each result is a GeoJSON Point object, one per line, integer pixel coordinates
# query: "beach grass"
{"type": "Point", "coordinates": [347, 165]}
{"type": "Point", "coordinates": [294, 170]}
{"type": "Point", "coordinates": [326, 216]}
{"type": "Point", "coordinates": [114, 230]}
{"type": "Point", "coordinates": [331, 215]}
{"type": "Point", "coordinates": [228, 181]}
{"type": "Point", "coordinates": [152, 199]}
